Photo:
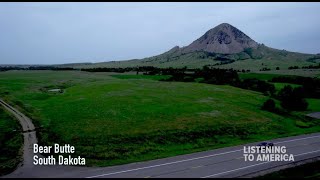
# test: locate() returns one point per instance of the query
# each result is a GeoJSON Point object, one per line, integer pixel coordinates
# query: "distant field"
{"type": "Point", "coordinates": [153, 77]}
{"type": "Point", "coordinates": [256, 65]}
{"type": "Point", "coordinates": [114, 119]}
{"type": "Point", "coordinates": [10, 142]}
{"type": "Point", "coordinates": [268, 77]}
{"type": "Point", "coordinates": [295, 72]}
{"type": "Point", "coordinates": [279, 86]}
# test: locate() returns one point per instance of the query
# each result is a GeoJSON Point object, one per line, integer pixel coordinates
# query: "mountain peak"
{"type": "Point", "coordinates": [224, 25]}
{"type": "Point", "coordinates": [224, 39]}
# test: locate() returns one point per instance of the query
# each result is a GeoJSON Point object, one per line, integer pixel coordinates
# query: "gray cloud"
{"type": "Point", "coordinates": [50, 33]}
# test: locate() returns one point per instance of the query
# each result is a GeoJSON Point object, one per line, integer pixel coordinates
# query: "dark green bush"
{"type": "Point", "coordinates": [269, 105]}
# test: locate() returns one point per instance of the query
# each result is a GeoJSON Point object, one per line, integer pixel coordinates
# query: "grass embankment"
{"type": "Point", "coordinates": [114, 121]}
{"type": "Point", "coordinates": [310, 170]}
{"type": "Point", "coordinates": [11, 141]}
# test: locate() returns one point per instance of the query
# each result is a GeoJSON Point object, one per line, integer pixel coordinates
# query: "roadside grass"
{"type": "Point", "coordinates": [11, 141]}
{"type": "Point", "coordinates": [309, 170]}
{"type": "Point", "coordinates": [314, 104]}
{"type": "Point", "coordinates": [112, 120]}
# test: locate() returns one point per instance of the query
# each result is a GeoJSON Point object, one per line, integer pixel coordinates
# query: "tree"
{"type": "Point", "coordinates": [292, 99]}
{"type": "Point", "coordinates": [269, 105]}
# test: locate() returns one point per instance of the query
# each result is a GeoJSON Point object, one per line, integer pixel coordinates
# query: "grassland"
{"type": "Point", "coordinates": [279, 86]}
{"type": "Point", "coordinates": [314, 104]}
{"type": "Point", "coordinates": [267, 77]}
{"type": "Point", "coordinates": [130, 76]}
{"type": "Point", "coordinates": [112, 119]}
{"type": "Point", "coordinates": [11, 141]}
{"type": "Point", "coordinates": [256, 65]}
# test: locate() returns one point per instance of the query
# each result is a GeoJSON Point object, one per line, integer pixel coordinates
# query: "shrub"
{"type": "Point", "coordinates": [269, 105]}
{"type": "Point", "coordinates": [292, 99]}
{"type": "Point", "coordinates": [302, 124]}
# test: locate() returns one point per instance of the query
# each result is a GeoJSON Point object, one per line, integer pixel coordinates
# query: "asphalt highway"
{"type": "Point", "coordinates": [225, 162]}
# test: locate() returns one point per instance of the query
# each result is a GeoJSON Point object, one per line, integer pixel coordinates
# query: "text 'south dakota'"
{"type": "Point", "coordinates": [61, 159]}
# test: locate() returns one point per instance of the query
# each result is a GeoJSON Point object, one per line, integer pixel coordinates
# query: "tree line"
{"type": "Point", "coordinates": [306, 67]}
{"type": "Point", "coordinates": [294, 98]}
{"type": "Point", "coordinates": [310, 86]}
{"type": "Point", "coordinates": [7, 68]}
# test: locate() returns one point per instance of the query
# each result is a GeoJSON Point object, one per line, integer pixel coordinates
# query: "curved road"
{"type": "Point", "coordinates": [29, 134]}
{"type": "Point", "coordinates": [224, 162]}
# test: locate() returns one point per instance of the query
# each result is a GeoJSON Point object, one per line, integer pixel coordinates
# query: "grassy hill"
{"type": "Point", "coordinates": [252, 59]}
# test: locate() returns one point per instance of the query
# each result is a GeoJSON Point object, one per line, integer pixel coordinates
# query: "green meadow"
{"type": "Point", "coordinates": [10, 141]}
{"type": "Point", "coordinates": [116, 119]}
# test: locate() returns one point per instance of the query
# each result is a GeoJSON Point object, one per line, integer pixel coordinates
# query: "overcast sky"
{"type": "Point", "coordinates": [53, 33]}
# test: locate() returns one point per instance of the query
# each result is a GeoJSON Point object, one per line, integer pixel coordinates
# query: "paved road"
{"type": "Point", "coordinates": [224, 162]}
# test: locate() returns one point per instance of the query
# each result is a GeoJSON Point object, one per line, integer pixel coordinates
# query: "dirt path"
{"type": "Point", "coordinates": [29, 134]}
{"type": "Point", "coordinates": [26, 169]}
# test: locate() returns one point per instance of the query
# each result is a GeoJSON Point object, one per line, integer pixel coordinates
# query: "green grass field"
{"type": "Point", "coordinates": [130, 76]}
{"type": "Point", "coordinates": [279, 86]}
{"type": "Point", "coordinates": [120, 119]}
{"type": "Point", "coordinates": [10, 142]}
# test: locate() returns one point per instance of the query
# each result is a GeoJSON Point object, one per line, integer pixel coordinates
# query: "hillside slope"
{"type": "Point", "coordinates": [223, 46]}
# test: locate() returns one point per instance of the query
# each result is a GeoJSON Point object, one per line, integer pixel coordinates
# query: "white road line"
{"type": "Point", "coordinates": [236, 169]}
{"type": "Point", "coordinates": [175, 162]}
{"type": "Point", "coordinates": [296, 139]}
{"type": "Point", "coordinates": [254, 165]}
{"type": "Point", "coordinates": [195, 167]}
{"type": "Point", "coordinates": [147, 167]}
